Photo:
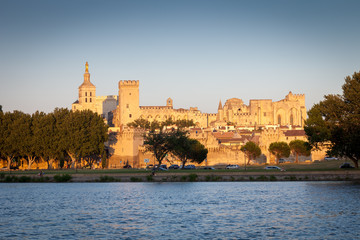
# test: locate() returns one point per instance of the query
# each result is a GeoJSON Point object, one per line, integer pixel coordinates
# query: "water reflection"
{"type": "Point", "coordinates": [300, 210]}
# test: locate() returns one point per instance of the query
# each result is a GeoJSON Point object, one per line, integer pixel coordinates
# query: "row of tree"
{"type": "Point", "coordinates": [279, 149]}
{"type": "Point", "coordinates": [52, 137]}
{"type": "Point", "coordinates": [152, 126]}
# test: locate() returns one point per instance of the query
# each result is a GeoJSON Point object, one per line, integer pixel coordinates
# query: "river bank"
{"type": "Point", "coordinates": [184, 176]}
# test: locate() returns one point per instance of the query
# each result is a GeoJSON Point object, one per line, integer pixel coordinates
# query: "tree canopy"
{"type": "Point", "coordinates": [186, 149]}
{"type": "Point", "coordinates": [299, 148]}
{"type": "Point", "coordinates": [335, 121]}
{"type": "Point", "coordinates": [251, 150]}
{"type": "Point", "coordinates": [152, 126]}
{"type": "Point", "coordinates": [175, 142]}
{"type": "Point", "coordinates": [48, 136]}
{"type": "Point", "coordinates": [279, 149]}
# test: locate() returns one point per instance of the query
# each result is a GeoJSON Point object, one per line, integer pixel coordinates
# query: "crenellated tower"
{"type": "Point", "coordinates": [128, 108]}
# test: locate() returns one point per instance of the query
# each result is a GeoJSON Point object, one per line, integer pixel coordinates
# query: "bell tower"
{"type": "Point", "coordinates": [87, 90]}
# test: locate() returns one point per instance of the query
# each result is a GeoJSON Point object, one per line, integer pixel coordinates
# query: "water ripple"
{"type": "Point", "coordinates": [224, 210]}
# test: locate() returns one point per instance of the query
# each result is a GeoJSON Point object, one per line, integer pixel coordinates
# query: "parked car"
{"type": "Point", "coordinates": [346, 165]}
{"type": "Point", "coordinates": [174, 166]}
{"type": "Point", "coordinates": [273, 168]}
{"type": "Point", "coordinates": [330, 158]}
{"type": "Point", "coordinates": [189, 167]}
{"type": "Point", "coordinates": [281, 160]}
{"type": "Point", "coordinates": [163, 166]}
{"type": "Point", "coordinates": [233, 166]}
{"type": "Point", "coordinates": [209, 168]}
{"type": "Point", "coordinates": [159, 169]}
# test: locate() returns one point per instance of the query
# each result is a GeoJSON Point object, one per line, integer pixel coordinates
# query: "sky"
{"type": "Point", "coordinates": [196, 52]}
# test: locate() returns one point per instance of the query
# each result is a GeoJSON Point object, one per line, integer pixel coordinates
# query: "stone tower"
{"type": "Point", "coordinates": [128, 108]}
{"type": "Point", "coordinates": [220, 115]}
{"type": "Point", "coordinates": [87, 90]}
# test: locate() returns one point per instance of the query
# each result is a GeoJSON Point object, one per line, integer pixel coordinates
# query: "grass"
{"type": "Point", "coordinates": [321, 166]}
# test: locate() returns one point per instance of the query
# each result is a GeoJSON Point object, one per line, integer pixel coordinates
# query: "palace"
{"type": "Point", "coordinates": [124, 108]}
{"type": "Point", "coordinates": [223, 133]}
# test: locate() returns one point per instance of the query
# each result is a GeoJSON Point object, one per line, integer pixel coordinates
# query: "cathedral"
{"type": "Point", "coordinates": [223, 133]}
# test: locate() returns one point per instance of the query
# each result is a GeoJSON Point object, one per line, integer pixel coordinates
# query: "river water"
{"type": "Point", "coordinates": [199, 210]}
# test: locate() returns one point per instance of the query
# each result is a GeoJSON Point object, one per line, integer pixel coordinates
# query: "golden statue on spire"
{"type": "Point", "coordinates": [86, 67]}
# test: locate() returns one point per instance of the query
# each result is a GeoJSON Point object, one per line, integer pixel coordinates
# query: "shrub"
{"type": "Point", "coordinates": [135, 179]}
{"type": "Point", "coordinates": [193, 177]}
{"type": "Point", "coordinates": [149, 178]}
{"type": "Point", "coordinates": [106, 179]}
{"type": "Point", "coordinates": [273, 178]}
{"type": "Point", "coordinates": [62, 178]}
{"type": "Point", "coordinates": [24, 179]}
{"type": "Point", "coordinates": [262, 178]}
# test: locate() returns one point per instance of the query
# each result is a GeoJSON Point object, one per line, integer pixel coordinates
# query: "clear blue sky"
{"type": "Point", "coordinates": [196, 52]}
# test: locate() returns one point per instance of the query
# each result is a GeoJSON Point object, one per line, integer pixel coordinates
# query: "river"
{"type": "Point", "coordinates": [189, 210]}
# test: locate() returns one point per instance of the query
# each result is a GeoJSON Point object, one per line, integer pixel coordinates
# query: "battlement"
{"type": "Point", "coordinates": [292, 97]}
{"type": "Point", "coordinates": [132, 83]}
{"type": "Point", "coordinates": [155, 107]}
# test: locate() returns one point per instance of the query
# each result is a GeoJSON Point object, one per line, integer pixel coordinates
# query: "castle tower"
{"type": "Point", "coordinates": [128, 109]}
{"type": "Point", "coordinates": [87, 90]}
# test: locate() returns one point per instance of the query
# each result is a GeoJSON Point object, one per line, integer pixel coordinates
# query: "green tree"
{"type": "Point", "coordinates": [157, 142]}
{"type": "Point", "coordinates": [84, 134]}
{"type": "Point", "coordinates": [279, 149]}
{"type": "Point", "coordinates": [335, 121]}
{"type": "Point", "coordinates": [299, 148]}
{"type": "Point", "coordinates": [251, 150]}
{"type": "Point", "coordinates": [185, 148]}
{"type": "Point", "coordinates": [11, 137]}
{"type": "Point", "coordinates": [27, 145]}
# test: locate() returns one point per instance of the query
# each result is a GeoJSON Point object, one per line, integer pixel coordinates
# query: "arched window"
{"type": "Point", "coordinates": [291, 119]}
{"type": "Point", "coordinates": [279, 119]}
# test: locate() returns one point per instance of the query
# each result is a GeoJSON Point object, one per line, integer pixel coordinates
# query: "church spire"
{"type": "Point", "coordinates": [220, 106]}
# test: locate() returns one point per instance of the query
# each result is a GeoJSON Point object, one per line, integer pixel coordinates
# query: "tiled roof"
{"type": "Point", "coordinates": [294, 133]}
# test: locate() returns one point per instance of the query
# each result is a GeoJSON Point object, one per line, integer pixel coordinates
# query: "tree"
{"type": "Point", "coordinates": [11, 136]}
{"type": "Point", "coordinates": [251, 150]}
{"type": "Point", "coordinates": [279, 149]}
{"type": "Point", "coordinates": [299, 147]}
{"type": "Point", "coordinates": [84, 134]}
{"type": "Point", "coordinates": [335, 121]}
{"type": "Point", "coordinates": [185, 148]}
{"type": "Point", "coordinates": [157, 142]}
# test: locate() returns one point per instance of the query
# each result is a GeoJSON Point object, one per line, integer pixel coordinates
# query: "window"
{"type": "Point", "coordinates": [85, 94]}
{"type": "Point", "coordinates": [90, 94]}
{"type": "Point", "coordinates": [127, 105]}
{"type": "Point", "coordinates": [264, 114]}
{"type": "Point", "coordinates": [85, 99]}
{"type": "Point", "coordinates": [130, 94]}
{"type": "Point", "coordinates": [90, 98]}
{"type": "Point", "coordinates": [129, 115]}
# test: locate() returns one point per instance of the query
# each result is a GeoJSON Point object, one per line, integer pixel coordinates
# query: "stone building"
{"type": "Point", "coordinates": [223, 133]}
{"type": "Point", "coordinates": [103, 105]}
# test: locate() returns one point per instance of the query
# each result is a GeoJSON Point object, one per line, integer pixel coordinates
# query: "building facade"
{"type": "Point", "coordinates": [262, 121]}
